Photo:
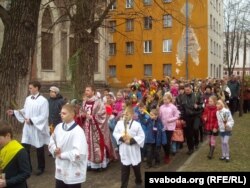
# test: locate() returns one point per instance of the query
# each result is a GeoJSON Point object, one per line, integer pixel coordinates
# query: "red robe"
{"type": "Point", "coordinates": [96, 129]}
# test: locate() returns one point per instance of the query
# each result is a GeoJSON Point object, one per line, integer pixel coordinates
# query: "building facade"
{"type": "Point", "coordinates": [55, 45]}
{"type": "Point", "coordinates": [154, 39]}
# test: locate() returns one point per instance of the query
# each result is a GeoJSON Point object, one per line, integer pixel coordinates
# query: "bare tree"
{"type": "Point", "coordinates": [85, 17]}
{"type": "Point", "coordinates": [236, 13]}
{"type": "Point", "coordinates": [20, 20]}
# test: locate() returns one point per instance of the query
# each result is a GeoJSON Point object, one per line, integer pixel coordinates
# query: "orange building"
{"type": "Point", "coordinates": [150, 39]}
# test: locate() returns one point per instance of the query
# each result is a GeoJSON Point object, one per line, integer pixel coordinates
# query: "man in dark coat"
{"type": "Point", "coordinates": [192, 109]}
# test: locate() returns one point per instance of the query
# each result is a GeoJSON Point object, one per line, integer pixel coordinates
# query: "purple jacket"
{"type": "Point", "coordinates": [169, 114]}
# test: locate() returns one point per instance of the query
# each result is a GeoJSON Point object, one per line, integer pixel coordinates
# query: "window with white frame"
{"type": "Point", "coordinates": [211, 46]}
{"type": "Point", "coordinates": [167, 45]}
{"type": "Point", "coordinates": [147, 70]}
{"type": "Point", "coordinates": [112, 71]}
{"type": "Point", "coordinates": [214, 23]}
{"type": "Point", "coordinates": [147, 46]}
{"type": "Point", "coordinates": [211, 21]}
{"type": "Point", "coordinates": [167, 70]}
{"type": "Point", "coordinates": [129, 24]}
{"type": "Point", "coordinates": [112, 26]}
{"type": "Point", "coordinates": [211, 70]}
{"type": "Point", "coordinates": [112, 48]}
{"type": "Point", "coordinates": [148, 22]}
{"type": "Point", "coordinates": [167, 20]}
{"type": "Point", "coordinates": [166, 1]}
{"type": "Point", "coordinates": [147, 2]}
{"type": "Point", "coordinates": [129, 47]}
{"type": "Point", "coordinates": [214, 48]}
{"type": "Point", "coordinates": [113, 6]}
{"type": "Point", "coordinates": [129, 3]}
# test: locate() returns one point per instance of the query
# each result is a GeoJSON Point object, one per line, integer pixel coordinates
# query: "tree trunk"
{"type": "Point", "coordinates": [243, 76]}
{"type": "Point", "coordinates": [20, 31]}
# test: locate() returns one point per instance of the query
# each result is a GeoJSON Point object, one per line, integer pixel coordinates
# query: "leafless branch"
{"type": "Point", "coordinates": [102, 17]}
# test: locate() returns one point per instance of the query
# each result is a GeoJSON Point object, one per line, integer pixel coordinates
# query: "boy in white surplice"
{"type": "Point", "coordinates": [130, 138]}
{"type": "Point", "coordinates": [69, 146]}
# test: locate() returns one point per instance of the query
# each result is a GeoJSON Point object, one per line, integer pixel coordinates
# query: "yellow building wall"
{"type": "Point", "coordinates": [197, 60]}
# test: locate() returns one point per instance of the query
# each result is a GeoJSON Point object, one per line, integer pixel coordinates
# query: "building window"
{"type": "Point", "coordinates": [167, 20]}
{"type": "Point", "coordinates": [113, 6]}
{"type": "Point", "coordinates": [47, 41]}
{"type": "Point", "coordinates": [214, 24]}
{"type": "Point", "coordinates": [214, 48]}
{"type": "Point", "coordinates": [112, 26]}
{"type": "Point", "coordinates": [211, 46]}
{"type": "Point", "coordinates": [148, 22]}
{"type": "Point", "coordinates": [167, 45]}
{"type": "Point", "coordinates": [167, 70]}
{"type": "Point", "coordinates": [148, 70]}
{"type": "Point", "coordinates": [211, 21]}
{"type": "Point", "coordinates": [112, 48]}
{"type": "Point", "coordinates": [211, 70]}
{"type": "Point", "coordinates": [219, 8]}
{"type": "Point", "coordinates": [129, 24]}
{"type": "Point", "coordinates": [112, 71]}
{"type": "Point", "coordinates": [219, 71]}
{"type": "Point", "coordinates": [129, 66]}
{"type": "Point", "coordinates": [147, 46]}
{"type": "Point", "coordinates": [129, 3]}
{"type": "Point", "coordinates": [166, 1]}
{"type": "Point", "coordinates": [129, 48]}
{"type": "Point", "coordinates": [96, 52]}
{"type": "Point", "coordinates": [147, 2]}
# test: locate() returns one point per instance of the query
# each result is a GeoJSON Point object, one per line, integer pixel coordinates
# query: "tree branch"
{"type": "Point", "coordinates": [4, 15]}
{"type": "Point", "coordinates": [97, 23]}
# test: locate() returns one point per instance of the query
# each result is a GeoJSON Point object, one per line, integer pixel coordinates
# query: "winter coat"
{"type": "Point", "coordinates": [154, 132]}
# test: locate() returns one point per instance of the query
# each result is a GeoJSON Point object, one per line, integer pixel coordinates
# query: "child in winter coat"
{"type": "Point", "coordinates": [169, 114]}
{"type": "Point", "coordinates": [211, 123]}
{"type": "Point", "coordinates": [225, 122]}
{"type": "Point", "coordinates": [178, 135]}
{"type": "Point", "coordinates": [155, 137]}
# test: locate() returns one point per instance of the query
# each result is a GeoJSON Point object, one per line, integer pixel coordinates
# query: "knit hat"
{"type": "Point", "coordinates": [55, 89]}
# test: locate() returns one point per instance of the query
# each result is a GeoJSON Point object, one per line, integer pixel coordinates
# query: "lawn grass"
{"type": "Point", "coordinates": [239, 151]}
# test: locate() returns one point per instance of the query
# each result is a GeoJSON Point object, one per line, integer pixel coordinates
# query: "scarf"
{"type": "Point", "coordinates": [8, 152]}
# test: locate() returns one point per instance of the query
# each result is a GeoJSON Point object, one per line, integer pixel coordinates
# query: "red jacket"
{"type": "Point", "coordinates": [209, 118]}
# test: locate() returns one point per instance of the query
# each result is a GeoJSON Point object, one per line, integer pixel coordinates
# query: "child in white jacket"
{"type": "Point", "coordinates": [225, 123]}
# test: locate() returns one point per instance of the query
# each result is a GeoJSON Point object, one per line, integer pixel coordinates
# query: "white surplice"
{"type": "Point", "coordinates": [129, 154]}
{"type": "Point", "coordinates": [71, 168]}
{"type": "Point", "coordinates": [37, 110]}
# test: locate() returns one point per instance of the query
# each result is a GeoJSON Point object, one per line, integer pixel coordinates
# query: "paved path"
{"type": "Point", "coordinates": [109, 178]}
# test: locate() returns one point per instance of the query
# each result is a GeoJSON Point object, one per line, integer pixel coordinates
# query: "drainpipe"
{"type": "Point", "coordinates": [187, 76]}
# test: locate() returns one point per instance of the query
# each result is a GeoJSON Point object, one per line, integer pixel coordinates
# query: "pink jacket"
{"type": "Point", "coordinates": [169, 115]}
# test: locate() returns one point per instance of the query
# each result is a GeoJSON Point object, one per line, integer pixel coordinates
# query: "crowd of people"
{"type": "Point", "coordinates": [133, 125]}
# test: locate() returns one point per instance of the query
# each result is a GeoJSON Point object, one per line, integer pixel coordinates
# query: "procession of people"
{"type": "Point", "coordinates": [149, 121]}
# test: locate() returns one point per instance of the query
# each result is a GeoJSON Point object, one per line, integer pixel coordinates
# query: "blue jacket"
{"type": "Point", "coordinates": [155, 133]}
{"type": "Point", "coordinates": [143, 119]}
